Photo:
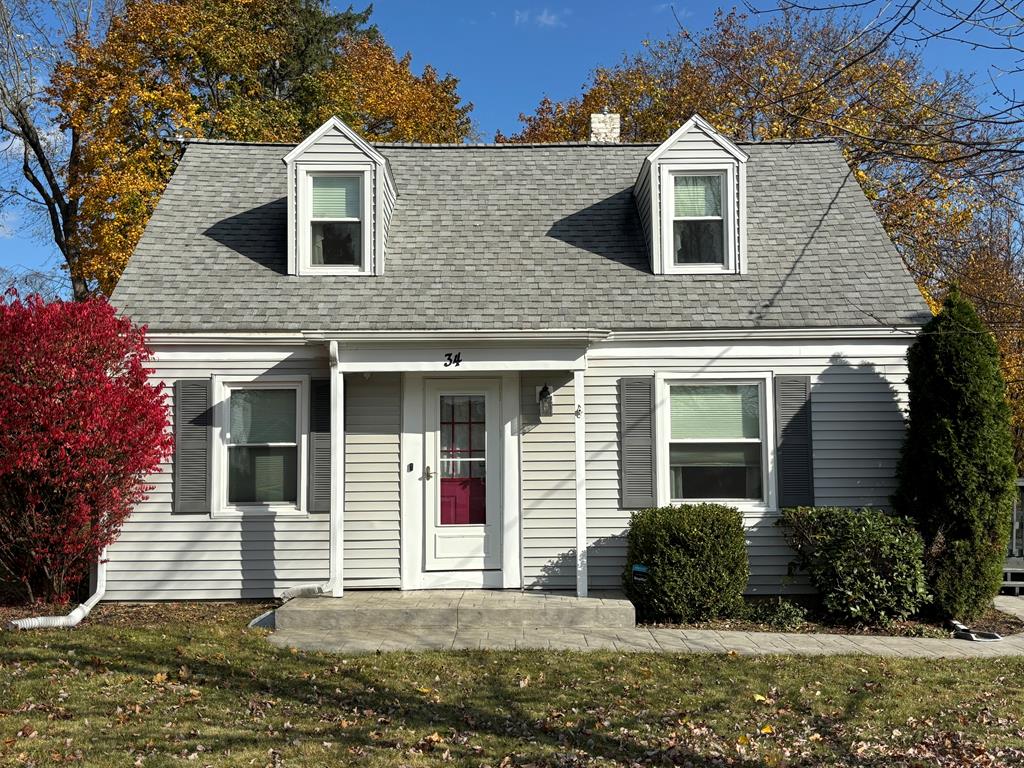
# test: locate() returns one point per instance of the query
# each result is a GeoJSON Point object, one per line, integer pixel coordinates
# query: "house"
{"type": "Point", "coordinates": [463, 366]}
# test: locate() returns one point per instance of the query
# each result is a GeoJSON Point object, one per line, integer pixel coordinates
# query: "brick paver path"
{"type": "Point", "coordinates": [651, 639]}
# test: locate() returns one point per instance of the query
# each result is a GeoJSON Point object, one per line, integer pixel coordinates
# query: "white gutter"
{"type": "Point", "coordinates": [76, 616]}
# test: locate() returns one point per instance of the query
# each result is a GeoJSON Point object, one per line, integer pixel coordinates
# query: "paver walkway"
{"type": "Point", "coordinates": [366, 640]}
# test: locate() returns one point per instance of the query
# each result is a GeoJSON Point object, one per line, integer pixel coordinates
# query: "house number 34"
{"type": "Point", "coordinates": [452, 359]}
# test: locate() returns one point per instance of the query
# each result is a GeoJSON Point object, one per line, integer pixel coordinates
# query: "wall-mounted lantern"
{"type": "Point", "coordinates": [544, 401]}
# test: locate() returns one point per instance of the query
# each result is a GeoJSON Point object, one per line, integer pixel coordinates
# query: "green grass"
{"type": "Point", "coordinates": [190, 685]}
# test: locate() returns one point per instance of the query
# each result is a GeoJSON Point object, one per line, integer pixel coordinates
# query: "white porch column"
{"type": "Point", "coordinates": [581, 485]}
{"type": "Point", "coordinates": [337, 515]}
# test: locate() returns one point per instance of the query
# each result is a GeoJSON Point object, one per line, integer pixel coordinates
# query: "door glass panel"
{"type": "Point", "coordinates": [462, 460]}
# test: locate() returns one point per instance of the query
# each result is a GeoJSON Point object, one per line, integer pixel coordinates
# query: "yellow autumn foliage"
{"type": "Point", "coordinates": [172, 69]}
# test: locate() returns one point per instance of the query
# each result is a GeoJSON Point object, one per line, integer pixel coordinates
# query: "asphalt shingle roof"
{"type": "Point", "coordinates": [522, 237]}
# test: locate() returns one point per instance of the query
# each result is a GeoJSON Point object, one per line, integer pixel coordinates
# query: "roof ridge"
{"type": "Point", "coordinates": [503, 145]}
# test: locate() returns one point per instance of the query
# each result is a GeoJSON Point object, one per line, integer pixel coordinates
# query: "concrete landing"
{"type": "Point", "coordinates": [452, 610]}
{"type": "Point", "coordinates": [347, 637]}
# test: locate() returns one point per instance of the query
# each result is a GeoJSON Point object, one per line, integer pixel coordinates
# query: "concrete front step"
{"type": "Point", "coordinates": [452, 610]}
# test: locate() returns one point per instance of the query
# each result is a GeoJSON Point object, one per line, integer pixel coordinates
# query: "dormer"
{"type": "Point", "coordinates": [691, 197]}
{"type": "Point", "coordinates": [341, 195]}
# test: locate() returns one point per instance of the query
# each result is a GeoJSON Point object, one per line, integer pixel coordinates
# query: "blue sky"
{"type": "Point", "coordinates": [507, 56]}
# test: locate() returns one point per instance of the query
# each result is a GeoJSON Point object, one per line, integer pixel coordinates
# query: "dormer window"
{"type": "Point", "coordinates": [698, 223]}
{"type": "Point", "coordinates": [335, 220]}
{"type": "Point", "coordinates": [341, 197]}
{"type": "Point", "coordinates": [691, 196]}
{"type": "Point", "coordinates": [699, 217]}
{"type": "Point", "coordinates": [333, 234]}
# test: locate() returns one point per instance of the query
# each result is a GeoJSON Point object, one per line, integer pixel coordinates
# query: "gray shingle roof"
{"type": "Point", "coordinates": [515, 238]}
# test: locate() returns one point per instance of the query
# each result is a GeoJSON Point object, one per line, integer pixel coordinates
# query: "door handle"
{"type": "Point", "coordinates": [427, 474]}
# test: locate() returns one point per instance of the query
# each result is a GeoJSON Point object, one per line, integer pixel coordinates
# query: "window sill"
{"type": "Point", "coordinates": [264, 512]}
{"type": "Point", "coordinates": [744, 506]}
{"type": "Point", "coordinates": [700, 269]}
{"type": "Point", "coordinates": [309, 271]}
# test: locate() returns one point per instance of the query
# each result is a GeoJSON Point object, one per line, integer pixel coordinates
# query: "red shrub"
{"type": "Point", "coordinates": [80, 429]}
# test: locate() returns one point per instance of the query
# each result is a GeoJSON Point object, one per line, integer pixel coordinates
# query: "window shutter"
{"type": "Point", "coordinates": [192, 424]}
{"type": "Point", "coordinates": [636, 442]}
{"type": "Point", "coordinates": [793, 425]}
{"type": "Point", "coordinates": [320, 445]}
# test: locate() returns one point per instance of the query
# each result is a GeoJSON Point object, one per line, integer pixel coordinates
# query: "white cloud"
{"type": "Point", "coordinates": [545, 18]}
{"type": "Point", "coordinates": [680, 13]}
{"type": "Point", "coordinates": [548, 19]}
{"type": "Point", "coordinates": [8, 224]}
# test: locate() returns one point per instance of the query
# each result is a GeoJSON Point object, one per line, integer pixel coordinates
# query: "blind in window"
{"type": "Point", "coordinates": [335, 197]}
{"type": "Point", "coordinates": [698, 196]}
{"type": "Point", "coordinates": [715, 412]}
{"type": "Point", "coordinates": [262, 416]}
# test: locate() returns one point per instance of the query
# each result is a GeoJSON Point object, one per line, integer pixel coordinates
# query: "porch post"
{"type": "Point", "coordinates": [337, 515]}
{"type": "Point", "coordinates": [581, 485]}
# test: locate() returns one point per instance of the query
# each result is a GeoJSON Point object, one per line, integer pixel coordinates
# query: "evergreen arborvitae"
{"type": "Point", "coordinates": [957, 474]}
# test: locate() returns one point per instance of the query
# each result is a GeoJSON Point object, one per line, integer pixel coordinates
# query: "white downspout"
{"type": "Point", "coordinates": [76, 616]}
{"type": "Point", "coordinates": [333, 585]}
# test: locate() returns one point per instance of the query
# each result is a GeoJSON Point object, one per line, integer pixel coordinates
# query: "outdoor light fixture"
{"type": "Point", "coordinates": [544, 400]}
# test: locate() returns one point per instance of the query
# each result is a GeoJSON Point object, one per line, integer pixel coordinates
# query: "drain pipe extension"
{"type": "Point", "coordinates": [76, 616]}
{"type": "Point", "coordinates": [302, 590]}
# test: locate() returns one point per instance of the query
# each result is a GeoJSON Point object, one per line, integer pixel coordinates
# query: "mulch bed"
{"type": "Point", "coordinates": [992, 620]}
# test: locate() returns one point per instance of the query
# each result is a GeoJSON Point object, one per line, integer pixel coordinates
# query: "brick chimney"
{"type": "Point", "coordinates": [604, 127]}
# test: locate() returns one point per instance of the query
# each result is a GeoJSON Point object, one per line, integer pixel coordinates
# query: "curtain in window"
{"type": "Point", "coordinates": [698, 196]}
{"type": "Point", "coordinates": [335, 197]}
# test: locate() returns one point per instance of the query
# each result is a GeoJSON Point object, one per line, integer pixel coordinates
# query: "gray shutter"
{"type": "Point", "coordinates": [192, 424]}
{"type": "Point", "coordinates": [320, 445]}
{"type": "Point", "coordinates": [795, 455]}
{"type": "Point", "coordinates": [636, 442]}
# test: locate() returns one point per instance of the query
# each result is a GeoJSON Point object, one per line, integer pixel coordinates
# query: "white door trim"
{"type": "Point", "coordinates": [411, 520]}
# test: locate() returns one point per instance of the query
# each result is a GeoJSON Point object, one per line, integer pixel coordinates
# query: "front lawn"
{"type": "Point", "coordinates": [189, 684]}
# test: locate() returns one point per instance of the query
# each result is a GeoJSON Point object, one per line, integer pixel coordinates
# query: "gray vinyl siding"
{"type": "Point", "coordinates": [164, 555]}
{"type": "Point", "coordinates": [333, 147]}
{"type": "Point", "coordinates": [857, 402]}
{"type": "Point", "coordinates": [644, 209]}
{"type": "Point", "coordinates": [389, 199]}
{"type": "Point", "coordinates": [548, 477]}
{"type": "Point", "coordinates": [373, 415]}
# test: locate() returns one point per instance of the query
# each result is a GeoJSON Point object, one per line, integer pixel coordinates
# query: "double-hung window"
{"type": "Point", "coordinates": [262, 437]}
{"type": "Point", "coordinates": [716, 441]}
{"type": "Point", "coordinates": [336, 222]}
{"type": "Point", "coordinates": [698, 219]}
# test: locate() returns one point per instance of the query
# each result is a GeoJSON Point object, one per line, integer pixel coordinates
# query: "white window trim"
{"type": "Point", "coordinates": [728, 172]}
{"type": "Point", "coordinates": [663, 431]}
{"type": "Point", "coordinates": [304, 182]}
{"type": "Point", "coordinates": [222, 386]}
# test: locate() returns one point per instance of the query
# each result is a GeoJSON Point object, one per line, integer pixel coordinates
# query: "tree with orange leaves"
{"type": "Point", "coordinates": [799, 76]}
{"type": "Point", "coordinates": [126, 84]}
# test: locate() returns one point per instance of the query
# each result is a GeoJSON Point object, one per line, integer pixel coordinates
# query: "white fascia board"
{"type": "Point", "coordinates": [767, 334]}
{"type": "Point", "coordinates": [699, 122]}
{"type": "Point", "coordinates": [338, 125]}
{"type": "Point", "coordinates": [456, 358]}
{"type": "Point", "coordinates": [539, 337]}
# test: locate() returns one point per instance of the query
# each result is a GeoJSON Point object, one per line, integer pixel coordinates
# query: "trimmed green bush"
{"type": "Point", "coordinates": [866, 565]}
{"type": "Point", "coordinates": [777, 613]}
{"type": "Point", "coordinates": [696, 560]}
{"type": "Point", "coordinates": [957, 471]}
